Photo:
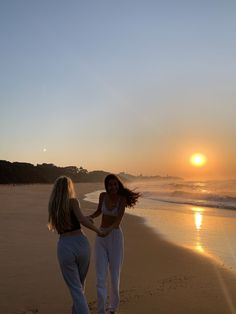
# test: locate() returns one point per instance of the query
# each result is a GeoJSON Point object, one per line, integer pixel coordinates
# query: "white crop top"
{"type": "Point", "coordinates": [110, 212]}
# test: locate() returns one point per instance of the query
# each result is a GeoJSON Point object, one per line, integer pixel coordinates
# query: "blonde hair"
{"type": "Point", "coordinates": [59, 204]}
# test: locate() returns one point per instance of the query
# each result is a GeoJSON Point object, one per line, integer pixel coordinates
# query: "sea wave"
{"type": "Point", "coordinates": [194, 199]}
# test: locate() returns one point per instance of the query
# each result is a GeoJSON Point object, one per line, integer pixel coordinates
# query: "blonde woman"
{"type": "Point", "coordinates": [73, 248]}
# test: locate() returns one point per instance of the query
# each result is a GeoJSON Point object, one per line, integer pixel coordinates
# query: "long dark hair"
{"type": "Point", "coordinates": [131, 196]}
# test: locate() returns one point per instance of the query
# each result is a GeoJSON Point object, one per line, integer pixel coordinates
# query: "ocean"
{"type": "Point", "coordinates": [198, 215]}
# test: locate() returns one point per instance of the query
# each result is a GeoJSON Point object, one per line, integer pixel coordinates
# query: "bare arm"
{"type": "Point", "coordinates": [99, 208]}
{"type": "Point", "coordinates": [81, 218]}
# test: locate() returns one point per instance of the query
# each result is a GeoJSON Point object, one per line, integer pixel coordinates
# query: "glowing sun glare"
{"type": "Point", "coordinates": [198, 160]}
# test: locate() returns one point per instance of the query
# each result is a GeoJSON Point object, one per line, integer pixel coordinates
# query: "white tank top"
{"type": "Point", "coordinates": [110, 212]}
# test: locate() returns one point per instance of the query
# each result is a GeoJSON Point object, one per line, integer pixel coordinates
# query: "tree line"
{"type": "Point", "coordinates": [22, 172]}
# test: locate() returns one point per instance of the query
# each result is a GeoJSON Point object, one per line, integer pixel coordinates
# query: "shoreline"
{"type": "Point", "coordinates": [195, 231]}
{"type": "Point", "coordinates": [183, 275]}
{"type": "Point", "coordinates": [157, 276]}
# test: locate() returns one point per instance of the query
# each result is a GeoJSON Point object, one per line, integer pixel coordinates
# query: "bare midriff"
{"type": "Point", "coordinates": [107, 221]}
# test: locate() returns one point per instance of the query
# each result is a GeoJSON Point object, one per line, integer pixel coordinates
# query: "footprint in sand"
{"type": "Point", "coordinates": [163, 286]}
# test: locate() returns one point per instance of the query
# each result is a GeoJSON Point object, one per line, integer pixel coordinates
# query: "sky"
{"type": "Point", "coordinates": [134, 86]}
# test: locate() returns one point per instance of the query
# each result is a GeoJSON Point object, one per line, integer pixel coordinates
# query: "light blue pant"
{"type": "Point", "coordinates": [74, 255]}
{"type": "Point", "coordinates": [109, 253]}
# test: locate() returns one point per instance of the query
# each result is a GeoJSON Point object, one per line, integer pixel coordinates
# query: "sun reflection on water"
{"type": "Point", "coordinates": [198, 219]}
{"type": "Point", "coordinates": [199, 248]}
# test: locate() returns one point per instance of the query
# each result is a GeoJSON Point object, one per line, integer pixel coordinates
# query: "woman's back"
{"type": "Point", "coordinates": [73, 221]}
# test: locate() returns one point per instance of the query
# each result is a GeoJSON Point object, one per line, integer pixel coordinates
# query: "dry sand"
{"type": "Point", "coordinates": [157, 277]}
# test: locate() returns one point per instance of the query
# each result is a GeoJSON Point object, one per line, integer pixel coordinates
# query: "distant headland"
{"type": "Point", "coordinates": [27, 173]}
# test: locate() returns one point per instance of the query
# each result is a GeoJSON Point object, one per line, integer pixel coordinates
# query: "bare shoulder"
{"type": "Point", "coordinates": [102, 195]}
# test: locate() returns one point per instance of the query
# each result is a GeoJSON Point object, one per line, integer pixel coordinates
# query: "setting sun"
{"type": "Point", "coordinates": [198, 160]}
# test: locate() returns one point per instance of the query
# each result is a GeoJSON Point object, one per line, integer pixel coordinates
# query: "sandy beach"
{"type": "Point", "coordinates": [157, 276]}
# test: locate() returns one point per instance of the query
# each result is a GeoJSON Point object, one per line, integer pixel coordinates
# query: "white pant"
{"type": "Point", "coordinates": [74, 255]}
{"type": "Point", "coordinates": [109, 251]}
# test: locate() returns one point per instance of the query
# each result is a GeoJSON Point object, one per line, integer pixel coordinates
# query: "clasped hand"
{"type": "Point", "coordinates": [103, 233]}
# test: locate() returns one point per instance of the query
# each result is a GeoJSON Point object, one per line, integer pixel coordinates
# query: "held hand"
{"type": "Point", "coordinates": [103, 233]}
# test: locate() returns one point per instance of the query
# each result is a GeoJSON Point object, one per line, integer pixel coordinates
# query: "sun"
{"type": "Point", "coordinates": [198, 160]}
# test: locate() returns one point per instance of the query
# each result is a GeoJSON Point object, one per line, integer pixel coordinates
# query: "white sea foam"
{"type": "Point", "coordinates": [217, 194]}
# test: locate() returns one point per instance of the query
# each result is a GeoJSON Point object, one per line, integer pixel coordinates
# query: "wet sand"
{"type": "Point", "coordinates": [157, 276]}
